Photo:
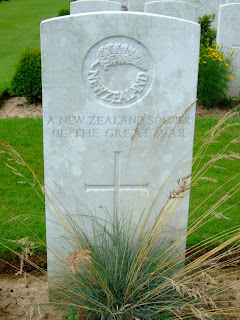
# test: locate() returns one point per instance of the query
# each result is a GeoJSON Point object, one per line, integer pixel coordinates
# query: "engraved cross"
{"type": "Point", "coordinates": [116, 187]}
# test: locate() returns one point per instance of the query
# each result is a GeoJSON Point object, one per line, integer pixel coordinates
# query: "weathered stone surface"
{"type": "Point", "coordinates": [202, 6]}
{"type": "Point", "coordinates": [136, 5]}
{"type": "Point", "coordinates": [177, 9]}
{"type": "Point", "coordinates": [118, 133]}
{"type": "Point", "coordinates": [232, 1]}
{"type": "Point", "coordinates": [84, 6]}
{"type": "Point", "coordinates": [228, 35]}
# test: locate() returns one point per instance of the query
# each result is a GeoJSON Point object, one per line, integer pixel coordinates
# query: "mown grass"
{"type": "Point", "coordinates": [25, 135]}
{"type": "Point", "coordinates": [224, 175]}
{"type": "Point", "coordinates": [19, 199]}
{"type": "Point", "coordinates": [19, 29]}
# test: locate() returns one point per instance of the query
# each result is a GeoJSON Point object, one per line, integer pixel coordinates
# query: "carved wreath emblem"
{"type": "Point", "coordinates": [119, 54]}
{"type": "Point", "coordinates": [118, 74]}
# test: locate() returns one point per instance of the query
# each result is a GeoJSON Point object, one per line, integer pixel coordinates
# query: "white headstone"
{"type": "Point", "coordinates": [202, 6]}
{"type": "Point", "coordinates": [177, 9]}
{"type": "Point", "coordinates": [136, 5]}
{"type": "Point", "coordinates": [124, 3]}
{"type": "Point", "coordinates": [232, 1]}
{"type": "Point", "coordinates": [228, 35]}
{"type": "Point", "coordinates": [207, 7]}
{"type": "Point", "coordinates": [117, 127]}
{"type": "Point", "coordinates": [84, 6]}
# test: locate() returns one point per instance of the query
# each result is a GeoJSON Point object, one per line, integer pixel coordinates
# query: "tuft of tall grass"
{"type": "Point", "coordinates": [114, 276]}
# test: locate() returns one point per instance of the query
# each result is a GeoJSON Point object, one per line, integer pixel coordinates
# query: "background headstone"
{"type": "Point", "coordinates": [136, 5]}
{"type": "Point", "coordinates": [228, 35]}
{"type": "Point", "coordinates": [177, 9]}
{"type": "Point", "coordinates": [202, 6]}
{"type": "Point", "coordinates": [118, 114]}
{"type": "Point", "coordinates": [83, 6]}
{"type": "Point", "coordinates": [123, 2]}
{"type": "Point", "coordinates": [232, 1]}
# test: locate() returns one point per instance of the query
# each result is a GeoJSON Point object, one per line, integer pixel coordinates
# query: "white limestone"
{"type": "Point", "coordinates": [232, 1]}
{"type": "Point", "coordinates": [136, 5]}
{"type": "Point", "coordinates": [228, 35]}
{"type": "Point", "coordinates": [124, 3]}
{"type": "Point", "coordinates": [207, 7]}
{"type": "Point", "coordinates": [117, 128]}
{"type": "Point", "coordinates": [177, 9]}
{"type": "Point", "coordinates": [84, 6]}
{"type": "Point", "coordinates": [202, 6]}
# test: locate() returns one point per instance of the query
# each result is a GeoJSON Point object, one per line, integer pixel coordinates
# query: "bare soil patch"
{"type": "Point", "coordinates": [23, 297]}
{"type": "Point", "coordinates": [20, 108]}
{"type": "Point", "coordinates": [215, 112]}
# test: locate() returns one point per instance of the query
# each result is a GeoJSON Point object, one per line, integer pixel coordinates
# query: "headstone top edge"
{"type": "Point", "coordinates": [170, 18]}
{"type": "Point", "coordinates": [123, 13]}
{"type": "Point", "coordinates": [162, 1]}
{"type": "Point", "coordinates": [229, 4]}
{"type": "Point", "coordinates": [97, 1]}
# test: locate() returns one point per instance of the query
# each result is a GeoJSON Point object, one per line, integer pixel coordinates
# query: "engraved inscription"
{"type": "Point", "coordinates": [118, 71]}
{"type": "Point", "coordinates": [125, 127]}
{"type": "Point", "coordinates": [118, 97]}
{"type": "Point", "coordinates": [171, 12]}
{"type": "Point", "coordinates": [116, 187]}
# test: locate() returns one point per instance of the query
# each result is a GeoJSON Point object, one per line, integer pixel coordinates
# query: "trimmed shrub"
{"type": "Point", "coordinates": [215, 71]}
{"type": "Point", "coordinates": [208, 34]}
{"type": "Point", "coordinates": [214, 76]}
{"type": "Point", "coordinates": [64, 11]}
{"type": "Point", "coordinates": [26, 81]}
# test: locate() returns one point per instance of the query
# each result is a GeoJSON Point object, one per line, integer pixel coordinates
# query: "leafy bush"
{"type": "Point", "coordinates": [26, 81]}
{"type": "Point", "coordinates": [64, 11]}
{"type": "Point", "coordinates": [214, 75]}
{"type": "Point", "coordinates": [214, 68]}
{"type": "Point", "coordinates": [208, 34]}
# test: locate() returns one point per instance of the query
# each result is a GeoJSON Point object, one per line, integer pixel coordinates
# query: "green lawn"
{"type": "Point", "coordinates": [25, 135]}
{"type": "Point", "coordinates": [19, 29]}
{"type": "Point", "coordinates": [225, 172]}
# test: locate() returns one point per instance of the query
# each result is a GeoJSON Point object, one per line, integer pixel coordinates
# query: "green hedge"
{"type": "Point", "coordinates": [27, 81]}
{"type": "Point", "coordinates": [64, 11]}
